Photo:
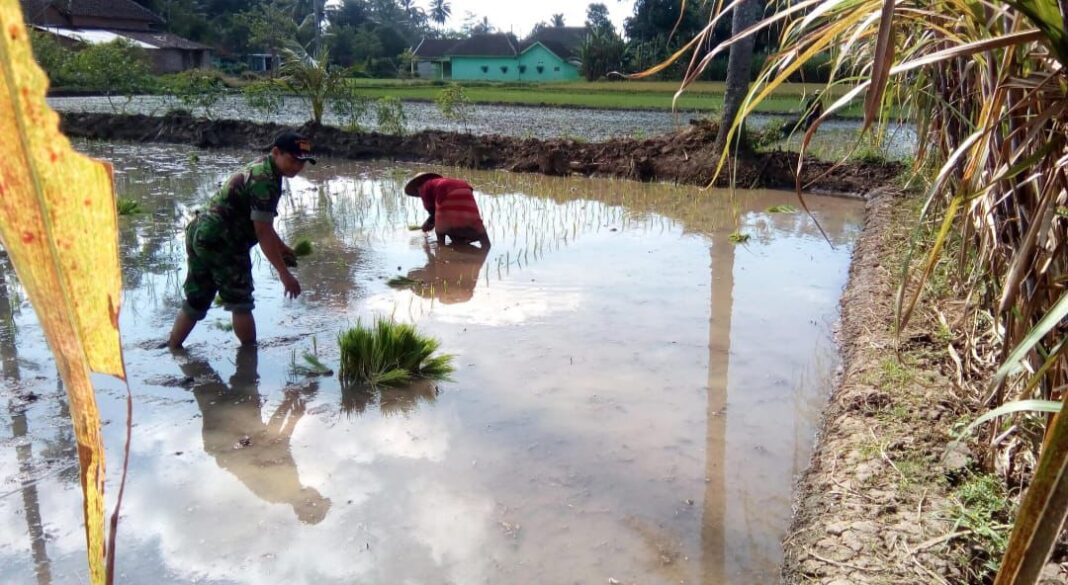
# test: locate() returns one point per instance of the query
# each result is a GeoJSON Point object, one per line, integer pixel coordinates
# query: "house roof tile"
{"type": "Point", "coordinates": [117, 9]}
{"type": "Point", "coordinates": [486, 45]}
{"type": "Point", "coordinates": [564, 41]}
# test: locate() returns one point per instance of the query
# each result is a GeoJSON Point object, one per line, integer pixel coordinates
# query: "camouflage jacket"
{"type": "Point", "coordinates": [249, 195]}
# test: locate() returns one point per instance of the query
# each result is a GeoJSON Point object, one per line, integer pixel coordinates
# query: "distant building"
{"type": "Point", "coordinates": [88, 22]}
{"type": "Point", "coordinates": [549, 54]}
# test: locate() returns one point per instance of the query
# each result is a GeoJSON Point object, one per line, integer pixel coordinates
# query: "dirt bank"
{"type": "Point", "coordinates": [890, 496]}
{"type": "Point", "coordinates": [685, 157]}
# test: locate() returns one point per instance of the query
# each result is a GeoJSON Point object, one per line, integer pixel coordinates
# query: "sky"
{"type": "Point", "coordinates": [520, 16]}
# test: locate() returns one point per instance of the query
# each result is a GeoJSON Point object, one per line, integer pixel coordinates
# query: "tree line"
{"type": "Point", "coordinates": [374, 37]}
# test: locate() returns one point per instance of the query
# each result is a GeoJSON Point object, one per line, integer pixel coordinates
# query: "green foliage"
{"type": "Point", "coordinates": [350, 105]}
{"type": "Point", "coordinates": [264, 96]}
{"type": "Point", "coordinates": [454, 104]}
{"type": "Point", "coordinates": [602, 53]}
{"type": "Point", "coordinates": [269, 28]}
{"type": "Point", "coordinates": [390, 114]}
{"type": "Point", "coordinates": [389, 354]}
{"type": "Point", "coordinates": [981, 506]}
{"type": "Point", "coordinates": [117, 68]}
{"type": "Point", "coordinates": [893, 374]}
{"type": "Point", "coordinates": [127, 206]}
{"type": "Point", "coordinates": [53, 57]}
{"type": "Point", "coordinates": [196, 89]}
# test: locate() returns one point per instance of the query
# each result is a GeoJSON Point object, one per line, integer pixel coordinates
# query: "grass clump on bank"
{"type": "Point", "coordinates": [981, 508]}
{"type": "Point", "coordinates": [390, 354]}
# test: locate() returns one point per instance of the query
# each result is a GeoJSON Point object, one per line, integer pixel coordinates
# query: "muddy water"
{"type": "Point", "coordinates": [633, 399]}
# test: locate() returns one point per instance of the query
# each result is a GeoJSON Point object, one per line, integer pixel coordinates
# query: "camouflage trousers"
{"type": "Point", "coordinates": [215, 265]}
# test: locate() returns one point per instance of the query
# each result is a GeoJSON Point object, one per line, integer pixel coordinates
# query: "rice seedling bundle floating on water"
{"type": "Point", "coordinates": [390, 354]}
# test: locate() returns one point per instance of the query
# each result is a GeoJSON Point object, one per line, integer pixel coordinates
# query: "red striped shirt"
{"type": "Point", "coordinates": [453, 204]}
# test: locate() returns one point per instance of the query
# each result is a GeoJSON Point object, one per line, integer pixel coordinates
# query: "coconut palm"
{"type": "Point", "coordinates": [312, 78]}
{"type": "Point", "coordinates": [440, 10]}
{"type": "Point", "coordinates": [558, 20]}
{"type": "Point", "coordinates": [414, 12]}
{"type": "Point", "coordinates": [739, 66]}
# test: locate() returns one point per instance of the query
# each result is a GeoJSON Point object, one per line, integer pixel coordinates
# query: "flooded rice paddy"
{"type": "Point", "coordinates": [634, 393]}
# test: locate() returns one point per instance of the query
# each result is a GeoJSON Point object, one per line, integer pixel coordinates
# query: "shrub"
{"type": "Point", "coordinates": [53, 57]}
{"type": "Point", "coordinates": [117, 68]}
{"type": "Point", "coordinates": [454, 104]}
{"type": "Point", "coordinates": [390, 114]}
{"type": "Point", "coordinates": [264, 96]}
{"type": "Point", "coordinates": [349, 105]}
{"type": "Point", "coordinates": [197, 88]}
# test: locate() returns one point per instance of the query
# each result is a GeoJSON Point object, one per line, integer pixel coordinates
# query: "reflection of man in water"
{"type": "Point", "coordinates": [257, 453]}
{"type": "Point", "coordinates": [451, 272]}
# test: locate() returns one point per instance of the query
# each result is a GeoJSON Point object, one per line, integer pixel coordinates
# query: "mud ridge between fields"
{"type": "Point", "coordinates": [684, 157]}
{"type": "Point", "coordinates": [858, 520]}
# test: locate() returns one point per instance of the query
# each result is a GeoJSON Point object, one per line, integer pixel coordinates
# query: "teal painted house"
{"type": "Point", "coordinates": [550, 54]}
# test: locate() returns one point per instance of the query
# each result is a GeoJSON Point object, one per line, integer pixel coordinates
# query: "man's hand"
{"type": "Point", "coordinates": [291, 285]}
{"type": "Point", "coordinates": [289, 259]}
{"type": "Point", "coordinates": [428, 224]}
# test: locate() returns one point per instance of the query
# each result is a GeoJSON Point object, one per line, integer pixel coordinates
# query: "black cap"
{"type": "Point", "coordinates": [295, 144]}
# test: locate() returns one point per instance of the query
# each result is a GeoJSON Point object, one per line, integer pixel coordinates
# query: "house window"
{"type": "Point", "coordinates": [540, 68]}
{"type": "Point", "coordinates": [557, 68]}
{"type": "Point", "coordinates": [485, 68]}
{"type": "Point", "coordinates": [504, 69]}
{"type": "Point", "coordinates": [522, 68]}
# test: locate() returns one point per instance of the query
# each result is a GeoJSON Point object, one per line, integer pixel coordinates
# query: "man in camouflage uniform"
{"type": "Point", "coordinates": [218, 241]}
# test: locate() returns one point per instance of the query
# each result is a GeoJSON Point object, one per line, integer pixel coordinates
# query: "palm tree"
{"type": "Point", "coordinates": [739, 67]}
{"type": "Point", "coordinates": [558, 20]}
{"type": "Point", "coordinates": [440, 10]}
{"type": "Point", "coordinates": [414, 11]}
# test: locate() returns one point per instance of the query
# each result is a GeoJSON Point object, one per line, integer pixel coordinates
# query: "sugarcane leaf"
{"type": "Point", "coordinates": [59, 226]}
{"type": "Point", "coordinates": [1053, 406]}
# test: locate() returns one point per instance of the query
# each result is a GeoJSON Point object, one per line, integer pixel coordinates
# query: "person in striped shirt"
{"type": "Point", "coordinates": [452, 208]}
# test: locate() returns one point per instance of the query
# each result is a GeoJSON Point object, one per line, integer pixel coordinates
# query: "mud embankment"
{"type": "Point", "coordinates": [686, 157]}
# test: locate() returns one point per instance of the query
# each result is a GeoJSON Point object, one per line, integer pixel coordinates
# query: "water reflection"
{"type": "Point", "coordinates": [9, 359]}
{"type": "Point", "coordinates": [391, 401]}
{"type": "Point", "coordinates": [451, 272]}
{"type": "Point", "coordinates": [257, 453]}
{"type": "Point", "coordinates": [620, 410]}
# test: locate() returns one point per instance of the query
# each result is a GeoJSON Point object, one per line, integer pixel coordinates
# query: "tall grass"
{"type": "Point", "coordinates": [987, 83]}
{"type": "Point", "coordinates": [390, 354]}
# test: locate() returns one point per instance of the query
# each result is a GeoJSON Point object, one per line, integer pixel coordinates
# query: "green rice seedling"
{"type": "Point", "coordinates": [303, 247]}
{"type": "Point", "coordinates": [224, 326]}
{"type": "Point", "coordinates": [402, 282]}
{"type": "Point", "coordinates": [390, 354]}
{"type": "Point", "coordinates": [309, 366]}
{"type": "Point", "coordinates": [414, 226]}
{"type": "Point", "coordinates": [738, 238]}
{"type": "Point", "coordinates": [784, 208]}
{"type": "Point", "coordinates": [128, 206]}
